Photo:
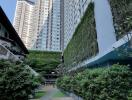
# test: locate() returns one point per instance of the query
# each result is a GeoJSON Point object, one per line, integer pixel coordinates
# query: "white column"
{"type": "Point", "coordinates": [104, 25]}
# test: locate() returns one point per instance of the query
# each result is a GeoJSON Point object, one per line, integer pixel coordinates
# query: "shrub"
{"type": "Point", "coordinates": [110, 83]}
{"type": "Point", "coordinates": [16, 82]}
{"type": "Point", "coordinates": [43, 62]}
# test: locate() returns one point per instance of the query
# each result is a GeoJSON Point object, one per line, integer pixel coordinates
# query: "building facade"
{"type": "Point", "coordinates": [11, 46]}
{"type": "Point", "coordinates": [62, 24]}
{"type": "Point", "coordinates": [112, 41]}
{"type": "Point", "coordinates": [73, 12]}
{"type": "Point", "coordinates": [47, 25]}
{"type": "Point", "coordinates": [23, 21]}
{"type": "Point", "coordinates": [53, 22]}
{"type": "Point", "coordinates": [38, 24]}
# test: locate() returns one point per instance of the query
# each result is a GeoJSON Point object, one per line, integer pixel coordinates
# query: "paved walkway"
{"type": "Point", "coordinates": [50, 92]}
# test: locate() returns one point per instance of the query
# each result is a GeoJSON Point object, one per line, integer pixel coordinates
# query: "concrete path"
{"type": "Point", "coordinates": [64, 98]}
{"type": "Point", "coordinates": [50, 92]}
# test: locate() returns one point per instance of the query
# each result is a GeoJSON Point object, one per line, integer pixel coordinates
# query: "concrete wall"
{"type": "Point", "coordinates": [104, 25]}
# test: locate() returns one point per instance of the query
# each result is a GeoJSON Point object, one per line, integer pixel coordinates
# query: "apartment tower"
{"type": "Point", "coordinates": [23, 21]}
{"type": "Point", "coordinates": [38, 24]}
{"type": "Point", "coordinates": [47, 25]}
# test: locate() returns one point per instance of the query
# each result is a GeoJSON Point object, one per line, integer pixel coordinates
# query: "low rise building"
{"type": "Point", "coordinates": [11, 46]}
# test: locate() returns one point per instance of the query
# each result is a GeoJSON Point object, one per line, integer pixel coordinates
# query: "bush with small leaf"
{"type": "Point", "coordinates": [16, 82]}
{"type": "Point", "coordinates": [107, 83]}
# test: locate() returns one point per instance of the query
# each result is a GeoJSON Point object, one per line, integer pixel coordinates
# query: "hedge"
{"type": "Point", "coordinates": [108, 83]}
{"type": "Point", "coordinates": [83, 44]}
{"type": "Point", "coordinates": [43, 62]}
{"type": "Point", "coordinates": [46, 55]}
{"type": "Point", "coordinates": [122, 16]}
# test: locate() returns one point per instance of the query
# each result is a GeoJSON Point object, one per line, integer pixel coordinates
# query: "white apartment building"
{"type": "Point", "coordinates": [38, 24]}
{"type": "Point", "coordinates": [23, 21]}
{"type": "Point", "coordinates": [47, 25]}
{"type": "Point", "coordinates": [73, 11]}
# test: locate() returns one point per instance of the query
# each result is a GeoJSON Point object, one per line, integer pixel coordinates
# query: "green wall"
{"type": "Point", "coordinates": [122, 16]}
{"type": "Point", "coordinates": [83, 44]}
{"type": "Point", "coordinates": [45, 55]}
{"type": "Point", "coordinates": [42, 61]}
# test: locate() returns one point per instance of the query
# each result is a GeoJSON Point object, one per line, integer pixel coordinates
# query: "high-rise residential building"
{"type": "Point", "coordinates": [23, 21]}
{"type": "Point", "coordinates": [62, 24]}
{"type": "Point", "coordinates": [47, 25]}
{"type": "Point", "coordinates": [73, 11]}
{"type": "Point", "coordinates": [38, 24]}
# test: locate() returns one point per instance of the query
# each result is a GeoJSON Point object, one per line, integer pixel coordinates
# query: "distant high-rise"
{"type": "Point", "coordinates": [47, 25]}
{"type": "Point", "coordinates": [23, 21]}
{"type": "Point", "coordinates": [38, 24]}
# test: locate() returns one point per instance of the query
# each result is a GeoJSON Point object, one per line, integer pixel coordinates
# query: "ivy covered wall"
{"type": "Point", "coordinates": [83, 44]}
{"type": "Point", "coordinates": [122, 16]}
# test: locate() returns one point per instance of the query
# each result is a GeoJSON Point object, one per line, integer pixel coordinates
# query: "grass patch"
{"type": "Point", "coordinates": [39, 94]}
{"type": "Point", "coordinates": [59, 94]}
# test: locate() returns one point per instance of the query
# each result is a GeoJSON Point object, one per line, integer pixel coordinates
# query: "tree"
{"type": "Point", "coordinates": [16, 82]}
